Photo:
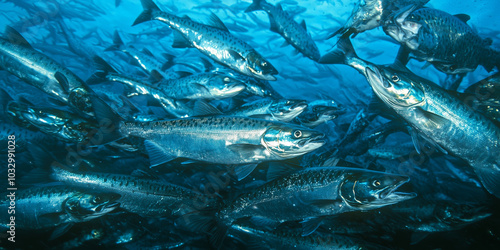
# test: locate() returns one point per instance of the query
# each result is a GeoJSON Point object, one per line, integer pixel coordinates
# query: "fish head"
{"type": "Point", "coordinates": [286, 110]}
{"type": "Point", "coordinates": [327, 112]}
{"type": "Point", "coordinates": [288, 141]}
{"type": "Point", "coordinates": [456, 214]}
{"type": "Point", "coordinates": [223, 86]}
{"type": "Point", "coordinates": [47, 119]}
{"type": "Point", "coordinates": [259, 67]}
{"type": "Point", "coordinates": [87, 206]}
{"type": "Point", "coordinates": [395, 88]}
{"type": "Point", "coordinates": [366, 189]}
{"type": "Point", "coordinates": [366, 15]}
{"type": "Point", "coordinates": [80, 99]}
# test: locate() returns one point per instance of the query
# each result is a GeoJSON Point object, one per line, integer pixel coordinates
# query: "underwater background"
{"type": "Point", "coordinates": [451, 208]}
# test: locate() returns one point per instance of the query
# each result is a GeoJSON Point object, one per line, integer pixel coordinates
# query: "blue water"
{"type": "Point", "coordinates": [92, 24]}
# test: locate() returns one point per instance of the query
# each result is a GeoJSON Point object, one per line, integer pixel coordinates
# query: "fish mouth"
{"type": "Point", "coordinates": [389, 195]}
{"type": "Point", "coordinates": [300, 106]}
{"type": "Point", "coordinates": [267, 77]}
{"type": "Point", "coordinates": [376, 80]}
{"type": "Point", "coordinates": [314, 141]}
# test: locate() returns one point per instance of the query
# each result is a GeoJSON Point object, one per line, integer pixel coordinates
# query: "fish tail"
{"type": "Point", "coordinates": [204, 221]}
{"type": "Point", "coordinates": [149, 7]}
{"type": "Point", "coordinates": [344, 51]}
{"type": "Point", "coordinates": [256, 5]}
{"type": "Point", "coordinates": [490, 178]}
{"type": "Point", "coordinates": [103, 69]}
{"type": "Point", "coordinates": [117, 42]}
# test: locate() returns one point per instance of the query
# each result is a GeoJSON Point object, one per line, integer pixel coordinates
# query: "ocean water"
{"type": "Point", "coordinates": [73, 32]}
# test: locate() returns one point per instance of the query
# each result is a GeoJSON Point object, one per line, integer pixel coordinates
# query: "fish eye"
{"type": "Point", "coordinates": [376, 183]}
{"type": "Point", "coordinates": [453, 67]}
{"type": "Point", "coordinates": [395, 78]}
{"type": "Point", "coordinates": [226, 79]}
{"type": "Point", "coordinates": [96, 200]}
{"type": "Point", "coordinates": [297, 133]}
{"type": "Point", "coordinates": [263, 64]}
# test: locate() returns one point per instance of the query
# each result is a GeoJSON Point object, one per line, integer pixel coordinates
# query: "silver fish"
{"type": "Point", "coordinates": [269, 109]}
{"type": "Point", "coordinates": [216, 42]}
{"type": "Point", "coordinates": [432, 113]}
{"type": "Point", "coordinates": [283, 24]}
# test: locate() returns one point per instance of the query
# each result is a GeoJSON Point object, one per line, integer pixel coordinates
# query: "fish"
{"type": "Point", "coordinates": [52, 206]}
{"type": "Point", "coordinates": [289, 238]}
{"type": "Point", "coordinates": [310, 194]}
{"type": "Point", "coordinates": [216, 42]}
{"type": "Point", "coordinates": [440, 38]}
{"type": "Point", "coordinates": [370, 14]}
{"type": "Point", "coordinates": [282, 23]}
{"type": "Point", "coordinates": [319, 112]}
{"type": "Point", "coordinates": [63, 125]}
{"type": "Point", "coordinates": [144, 59]}
{"type": "Point", "coordinates": [270, 109]}
{"type": "Point", "coordinates": [432, 114]}
{"type": "Point", "coordinates": [143, 196]}
{"type": "Point", "coordinates": [202, 86]}
{"type": "Point", "coordinates": [20, 59]}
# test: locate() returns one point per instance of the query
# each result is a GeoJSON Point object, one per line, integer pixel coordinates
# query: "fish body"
{"type": "Point", "coordinates": [271, 109]}
{"type": "Point", "coordinates": [202, 86]}
{"type": "Point", "coordinates": [445, 40]}
{"type": "Point", "coordinates": [137, 195]}
{"type": "Point", "coordinates": [316, 192]}
{"type": "Point", "coordinates": [319, 112]}
{"type": "Point", "coordinates": [46, 207]}
{"type": "Point", "coordinates": [283, 24]}
{"type": "Point", "coordinates": [214, 41]}
{"type": "Point", "coordinates": [224, 140]}
{"type": "Point", "coordinates": [20, 59]}
{"type": "Point", "coordinates": [432, 113]}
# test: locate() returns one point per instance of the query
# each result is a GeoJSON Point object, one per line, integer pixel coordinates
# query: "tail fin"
{"type": "Point", "coordinates": [117, 42]}
{"type": "Point", "coordinates": [255, 6]}
{"type": "Point", "coordinates": [339, 56]}
{"type": "Point", "coordinates": [149, 6]}
{"type": "Point", "coordinates": [490, 178]}
{"type": "Point", "coordinates": [169, 63]}
{"type": "Point", "coordinates": [204, 221]}
{"type": "Point", "coordinates": [103, 69]}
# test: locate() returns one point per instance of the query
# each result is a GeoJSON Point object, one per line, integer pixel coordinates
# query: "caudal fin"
{"type": "Point", "coordinates": [341, 54]}
{"type": "Point", "coordinates": [103, 69]}
{"type": "Point", "coordinates": [109, 123]}
{"type": "Point", "coordinates": [254, 6]}
{"type": "Point", "coordinates": [149, 6]}
{"type": "Point", "coordinates": [117, 42]}
{"type": "Point", "coordinates": [490, 178]}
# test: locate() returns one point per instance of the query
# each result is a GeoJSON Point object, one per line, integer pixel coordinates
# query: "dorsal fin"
{"type": "Point", "coordinates": [303, 24]}
{"type": "Point", "coordinates": [147, 52]}
{"type": "Point", "coordinates": [463, 17]}
{"type": "Point", "coordinates": [216, 22]}
{"type": "Point", "coordinates": [15, 38]}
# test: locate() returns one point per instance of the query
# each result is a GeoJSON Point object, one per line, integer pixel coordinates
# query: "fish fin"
{"type": "Point", "coordinates": [50, 218]}
{"type": "Point", "coordinates": [303, 24]}
{"type": "Point", "coordinates": [42, 158]}
{"type": "Point", "coordinates": [463, 17]}
{"type": "Point", "coordinates": [435, 120]}
{"type": "Point", "coordinates": [309, 225]}
{"type": "Point", "coordinates": [147, 14]}
{"type": "Point", "coordinates": [96, 78]}
{"type": "Point", "coordinates": [490, 178]}
{"type": "Point", "coordinates": [108, 120]}
{"type": "Point", "coordinates": [206, 64]}
{"type": "Point", "coordinates": [147, 52]}
{"type": "Point", "coordinates": [264, 222]}
{"type": "Point", "coordinates": [142, 174]}
{"type": "Point", "coordinates": [15, 37]}
{"type": "Point", "coordinates": [277, 170]}
{"type": "Point", "coordinates": [117, 42]}
{"type": "Point", "coordinates": [295, 52]}
{"type": "Point", "coordinates": [157, 155]}
{"type": "Point", "coordinates": [203, 108]}
{"type": "Point", "coordinates": [417, 237]}
{"type": "Point", "coordinates": [274, 27]}
{"type": "Point", "coordinates": [180, 41]}
{"type": "Point", "coordinates": [242, 171]}
{"type": "Point", "coordinates": [254, 6]}
{"type": "Point", "coordinates": [245, 150]}
{"type": "Point", "coordinates": [402, 58]}
{"type": "Point", "coordinates": [128, 105]}
{"type": "Point", "coordinates": [62, 80]}
{"type": "Point", "coordinates": [414, 138]}
{"type": "Point", "coordinates": [102, 65]}
{"type": "Point", "coordinates": [216, 22]}
{"type": "Point", "coordinates": [262, 116]}
{"type": "Point", "coordinates": [204, 221]}
{"type": "Point", "coordinates": [285, 43]}
{"type": "Point", "coordinates": [183, 74]}
{"type": "Point", "coordinates": [169, 63]}
{"type": "Point", "coordinates": [56, 102]}
{"type": "Point", "coordinates": [235, 54]}
{"type": "Point", "coordinates": [60, 231]}
{"type": "Point", "coordinates": [39, 174]}
{"type": "Point", "coordinates": [155, 76]}
{"type": "Point", "coordinates": [339, 56]}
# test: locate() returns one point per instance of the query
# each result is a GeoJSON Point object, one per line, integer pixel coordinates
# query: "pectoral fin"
{"type": "Point", "coordinates": [157, 155]}
{"type": "Point", "coordinates": [310, 225]}
{"type": "Point", "coordinates": [490, 178]}
{"type": "Point", "coordinates": [246, 151]}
